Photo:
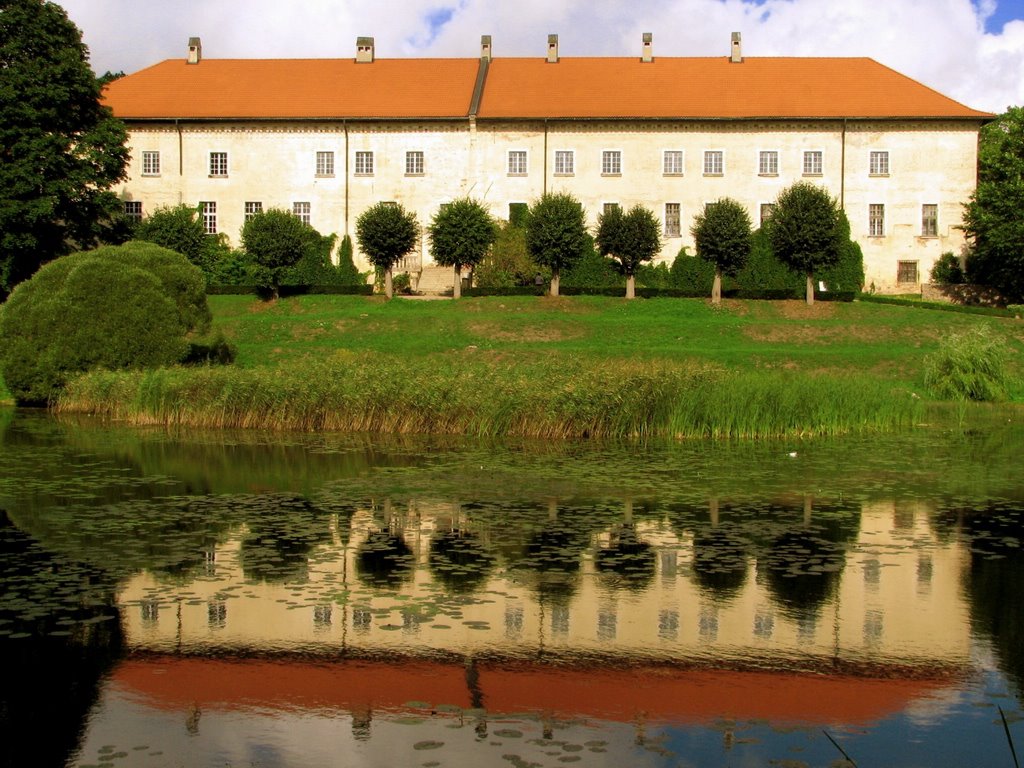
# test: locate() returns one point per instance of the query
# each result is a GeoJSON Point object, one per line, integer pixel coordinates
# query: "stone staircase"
{"type": "Point", "coordinates": [435, 280]}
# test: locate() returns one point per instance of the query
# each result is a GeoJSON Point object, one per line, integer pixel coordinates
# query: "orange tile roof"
{"type": "Point", "coordinates": [709, 88]}
{"type": "Point", "coordinates": [684, 88]}
{"type": "Point", "coordinates": [296, 88]}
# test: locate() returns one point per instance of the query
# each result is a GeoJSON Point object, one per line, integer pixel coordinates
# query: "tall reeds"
{"type": "Point", "coordinates": [553, 398]}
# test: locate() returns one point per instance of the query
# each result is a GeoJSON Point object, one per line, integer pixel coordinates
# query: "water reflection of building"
{"type": "Point", "coordinates": [429, 578]}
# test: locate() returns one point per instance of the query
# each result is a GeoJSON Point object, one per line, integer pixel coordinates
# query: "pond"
{"type": "Point", "coordinates": [253, 599]}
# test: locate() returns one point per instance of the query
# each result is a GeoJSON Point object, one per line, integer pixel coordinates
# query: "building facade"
{"type": "Point", "coordinates": [326, 139]}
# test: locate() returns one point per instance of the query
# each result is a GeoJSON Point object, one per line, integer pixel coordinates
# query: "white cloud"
{"type": "Point", "coordinates": [941, 43]}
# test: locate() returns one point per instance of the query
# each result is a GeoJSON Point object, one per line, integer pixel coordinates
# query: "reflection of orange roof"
{"type": "Point", "coordinates": [655, 693]}
{"type": "Point", "coordinates": [709, 88]}
{"type": "Point", "coordinates": [296, 88]}
{"type": "Point", "coordinates": [687, 88]}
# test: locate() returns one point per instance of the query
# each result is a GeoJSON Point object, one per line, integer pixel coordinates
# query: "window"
{"type": "Point", "coordinates": [364, 163]}
{"type": "Point", "coordinates": [768, 163]}
{"type": "Point", "coordinates": [876, 220]}
{"type": "Point", "coordinates": [611, 162]}
{"type": "Point", "coordinates": [813, 163]}
{"type": "Point", "coordinates": [252, 208]}
{"type": "Point", "coordinates": [301, 210]}
{"type": "Point", "coordinates": [672, 220]}
{"type": "Point", "coordinates": [714, 162]}
{"type": "Point", "coordinates": [218, 163]}
{"type": "Point", "coordinates": [565, 162]}
{"type": "Point", "coordinates": [209, 213]}
{"type": "Point", "coordinates": [906, 272]}
{"type": "Point", "coordinates": [324, 163]}
{"type": "Point", "coordinates": [133, 209]}
{"type": "Point", "coordinates": [879, 164]}
{"type": "Point", "coordinates": [414, 163]}
{"type": "Point", "coordinates": [929, 220]}
{"type": "Point", "coordinates": [672, 162]}
{"type": "Point", "coordinates": [609, 207]}
{"type": "Point", "coordinates": [766, 211]}
{"type": "Point", "coordinates": [150, 163]}
{"type": "Point", "coordinates": [517, 162]}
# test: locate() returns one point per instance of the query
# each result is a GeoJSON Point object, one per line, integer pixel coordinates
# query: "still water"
{"type": "Point", "coordinates": [248, 599]}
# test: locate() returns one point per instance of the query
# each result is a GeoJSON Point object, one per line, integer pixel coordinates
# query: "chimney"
{"type": "Point", "coordinates": [552, 49]}
{"type": "Point", "coordinates": [736, 57]}
{"type": "Point", "coordinates": [647, 51]}
{"type": "Point", "coordinates": [195, 50]}
{"type": "Point", "coordinates": [485, 47]}
{"type": "Point", "coordinates": [364, 50]}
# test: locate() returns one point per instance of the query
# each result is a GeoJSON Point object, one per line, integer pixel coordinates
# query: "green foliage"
{"type": "Point", "coordinates": [386, 232]}
{"type": "Point", "coordinates": [847, 274]}
{"type": "Point", "coordinates": [969, 365]}
{"type": "Point", "coordinates": [276, 240]}
{"type": "Point", "coordinates": [179, 228]}
{"type": "Point", "coordinates": [805, 230]}
{"type": "Point", "coordinates": [763, 271]}
{"type": "Point", "coordinates": [947, 270]}
{"type": "Point", "coordinates": [722, 235]}
{"type": "Point", "coordinates": [60, 150]}
{"type": "Point", "coordinates": [518, 213]}
{"type": "Point", "coordinates": [992, 217]}
{"type": "Point", "coordinates": [115, 307]}
{"type": "Point", "coordinates": [656, 276]}
{"type": "Point", "coordinates": [314, 267]}
{"type": "Point", "coordinates": [593, 270]}
{"type": "Point", "coordinates": [347, 272]}
{"type": "Point", "coordinates": [508, 264]}
{"type": "Point", "coordinates": [461, 233]}
{"type": "Point", "coordinates": [556, 232]}
{"type": "Point", "coordinates": [688, 273]}
{"type": "Point", "coordinates": [631, 238]}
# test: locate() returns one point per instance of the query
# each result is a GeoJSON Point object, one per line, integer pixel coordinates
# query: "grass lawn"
{"type": "Point", "coordinates": [887, 342]}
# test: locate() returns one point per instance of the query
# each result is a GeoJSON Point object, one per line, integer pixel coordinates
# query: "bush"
{"type": "Point", "coordinates": [347, 272]}
{"type": "Point", "coordinates": [593, 271]}
{"type": "Point", "coordinates": [688, 273]}
{"type": "Point", "coordinates": [656, 276]}
{"type": "Point", "coordinates": [764, 272]}
{"type": "Point", "coordinates": [179, 229]}
{"type": "Point", "coordinates": [509, 264]}
{"type": "Point", "coordinates": [947, 270]}
{"type": "Point", "coordinates": [971, 365]}
{"type": "Point", "coordinates": [127, 306]}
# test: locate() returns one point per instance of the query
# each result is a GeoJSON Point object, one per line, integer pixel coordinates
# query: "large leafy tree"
{"type": "Point", "coordinates": [461, 233]}
{"type": "Point", "coordinates": [386, 232]}
{"type": "Point", "coordinates": [275, 240]}
{"type": "Point", "coordinates": [806, 230]}
{"type": "Point", "coordinates": [630, 238]}
{"type": "Point", "coordinates": [722, 236]}
{"type": "Point", "coordinates": [994, 215]}
{"type": "Point", "coordinates": [556, 233]}
{"type": "Point", "coordinates": [60, 150]}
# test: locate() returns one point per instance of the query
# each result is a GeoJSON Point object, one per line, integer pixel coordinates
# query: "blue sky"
{"type": "Point", "coordinates": [971, 50]}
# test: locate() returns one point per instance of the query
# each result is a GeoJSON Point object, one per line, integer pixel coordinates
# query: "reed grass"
{"type": "Point", "coordinates": [549, 398]}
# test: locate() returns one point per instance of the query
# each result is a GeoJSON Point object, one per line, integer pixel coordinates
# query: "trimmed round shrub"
{"type": "Point", "coordinates": [127, 306]}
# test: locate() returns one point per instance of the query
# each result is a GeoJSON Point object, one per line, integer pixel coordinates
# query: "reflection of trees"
{"type": "Point", "coordinates": [627, 556]}
{"type": "Point", "coordinates": [281, 532]}
{"type": "Point", "coordinates": [459, 560]}
{"type": "Point", "coordinates": [384, 560]}
{"type": "Point", "coordinates": [719, 561]}
{"type": "Point", "coordinates": [992, 584]}
{"type": "Point", "coordinates": [51, 680]}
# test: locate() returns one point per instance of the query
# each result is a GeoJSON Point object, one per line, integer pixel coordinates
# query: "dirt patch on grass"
{"type": "Point", "coordinates": [542, 333]}
{"type": "Point", "coordinates": [799, 310]}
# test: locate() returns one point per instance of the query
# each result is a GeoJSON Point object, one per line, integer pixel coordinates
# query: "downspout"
{"type": "Point", "coordinates": [842, 171]}
{"type": "Point", "coordinates": [344, 124]}
{"type": "Point", "coordinates": [544, 188]}
{"type": "Point", "coordinates": [181, 159]}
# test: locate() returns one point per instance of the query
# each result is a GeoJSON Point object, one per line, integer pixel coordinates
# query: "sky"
{"type": "Point", "coordinates": [970, 50]}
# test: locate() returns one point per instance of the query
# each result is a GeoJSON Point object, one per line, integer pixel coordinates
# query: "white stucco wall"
{"type": "Point", "coordinates": [930, 162]}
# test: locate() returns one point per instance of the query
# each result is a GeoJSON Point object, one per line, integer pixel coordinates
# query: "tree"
{"type": "Point", "coordinates": [722, 236]}
{"type": "Point", "coordinates": [275, 240]}
{"type": "Point", "coordinates": [461, 233]}
{"type": "Point", "coordinates": [125, 306]}
{"type": "Point", "coordinates": [556, 234]}
{"type": "Point", "coordinates": [805, 230]}
{"type": "Point", "coordinates": [179, 229]}
{"type": "Point", "coordinates": [993, 219]}
{"type": "Point", "coordinates": [386, 232]}
{"type": "Point", "coordinates": [630, 238]}
{"type": "Point", "coordinates": [60, 150]}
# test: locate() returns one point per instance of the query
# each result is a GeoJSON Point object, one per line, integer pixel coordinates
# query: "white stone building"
{"type": "Point", "coordinates": [327, 138]}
